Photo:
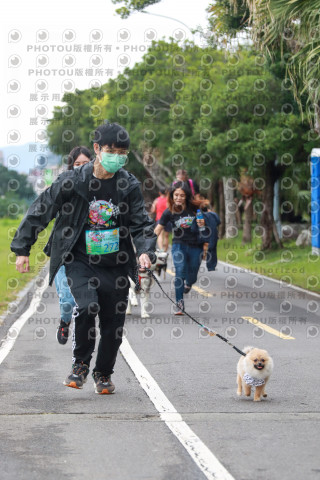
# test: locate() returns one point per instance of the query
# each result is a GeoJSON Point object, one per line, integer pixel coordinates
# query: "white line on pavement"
{"type": "Point", "coordinates": [279, 282]}
{"type": "Point", "coordinates": [199, 452]}
{"type": "Point", "coordinates": [15, 329]}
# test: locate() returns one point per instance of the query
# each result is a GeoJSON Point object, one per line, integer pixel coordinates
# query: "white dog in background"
{"type": "Point", "coordinates": [146, 283]}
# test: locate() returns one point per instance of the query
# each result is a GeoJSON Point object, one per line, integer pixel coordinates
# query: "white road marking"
{"type": "Point", "coordinates": [279, 282]}
{"type": "Point", "coordinates": [15, 329]}
{"type": "Point", "coordinates": [199, 452]}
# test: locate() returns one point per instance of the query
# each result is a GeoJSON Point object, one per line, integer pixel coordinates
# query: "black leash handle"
{"type": "Point", "coordinates": [212, 333]}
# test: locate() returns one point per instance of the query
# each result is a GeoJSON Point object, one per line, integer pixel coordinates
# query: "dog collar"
{"type": "Point", "coordinates": [255, 382]}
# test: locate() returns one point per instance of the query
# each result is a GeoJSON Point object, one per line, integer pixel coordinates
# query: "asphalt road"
{"type": "Point", "coordinates": [50, 431]}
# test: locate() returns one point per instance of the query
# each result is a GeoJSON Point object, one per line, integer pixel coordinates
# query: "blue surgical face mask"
{"type": "Point", "coordinates": [112, 162]}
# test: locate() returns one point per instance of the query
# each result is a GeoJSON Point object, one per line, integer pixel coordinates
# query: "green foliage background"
{"type": "Point", "coordinates": [202, 109]}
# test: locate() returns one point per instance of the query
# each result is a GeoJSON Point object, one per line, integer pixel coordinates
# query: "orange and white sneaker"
{"type": "Point", "coordinates": [78, 376]}
{"type": "Point", "coordinates": [179, 309]}
{"type": "Point", "coordinates": [102, 384]}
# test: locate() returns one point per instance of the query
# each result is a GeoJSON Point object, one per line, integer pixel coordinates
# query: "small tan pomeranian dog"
{"type": "Point", "coordinates": [254, 370]}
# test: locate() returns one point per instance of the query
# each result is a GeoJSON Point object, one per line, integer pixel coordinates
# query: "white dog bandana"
{"type": "Point", "coordinates": [255, 382]}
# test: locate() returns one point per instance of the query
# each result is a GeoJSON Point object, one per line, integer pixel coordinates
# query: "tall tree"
{"type": "Point", "coordinates": [200, 109]}
{"type": "Point", "coordinates": [242, 123]}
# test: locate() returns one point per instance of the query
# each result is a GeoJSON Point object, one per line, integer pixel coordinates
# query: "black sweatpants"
{"type": "Point", "coordinates": [103, 292]}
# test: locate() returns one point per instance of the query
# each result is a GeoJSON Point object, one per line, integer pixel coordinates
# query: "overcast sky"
{"type": "Point", "coordinates": [53, 47]}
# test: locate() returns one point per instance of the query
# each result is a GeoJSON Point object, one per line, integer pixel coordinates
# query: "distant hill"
{"type": "Point", "coordinates": [19, 157]}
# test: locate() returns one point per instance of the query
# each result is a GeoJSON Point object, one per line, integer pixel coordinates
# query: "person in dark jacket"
{"type": "Point", "coordinates": [101, 211]}
{"type": "Point", "coordinates": [210, 238]}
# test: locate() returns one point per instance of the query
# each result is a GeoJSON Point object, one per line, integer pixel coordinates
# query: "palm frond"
{"type": "Point", "coordinates": [294, 26]}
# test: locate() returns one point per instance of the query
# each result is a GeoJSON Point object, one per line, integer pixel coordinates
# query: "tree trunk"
{"type": "Point", "coordinates": [154, 169]}
{"type": "Point", "coordinates": [222, 227]}
{"type": "Point", "coordinates": [317, 118]}
{"type": "Point", "coordinates": [267, 221]}
{"type": "Point", "coordinates": [213, 195]}
{"type": "Point", "coordinates": [230, 208]}
{"type": "Point", "coordinates": [248, 215]}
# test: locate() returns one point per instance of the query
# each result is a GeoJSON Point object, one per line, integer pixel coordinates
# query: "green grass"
{"type": "Point", "coordinates": [291, 264]}
{"type": "Point", "coordinates": [11, 281]}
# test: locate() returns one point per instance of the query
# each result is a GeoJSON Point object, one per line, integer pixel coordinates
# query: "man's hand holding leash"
{"type": "Point", "coordinates": [144, 262]}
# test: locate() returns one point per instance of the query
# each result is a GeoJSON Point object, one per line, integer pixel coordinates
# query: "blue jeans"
{"type": "Point", "coordinates": [187, 261]}
{"type": "Point", "coordinates": [66, 300]}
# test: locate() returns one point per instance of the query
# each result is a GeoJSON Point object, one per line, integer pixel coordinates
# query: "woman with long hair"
{"type": "Point", "coordinates": [186, 248]}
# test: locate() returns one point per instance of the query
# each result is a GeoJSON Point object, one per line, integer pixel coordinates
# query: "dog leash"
{"type": "Point", "coordinates": [212, 333]}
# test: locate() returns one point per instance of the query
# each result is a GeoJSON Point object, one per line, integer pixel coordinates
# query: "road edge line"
{"type": "Point", "coordinates": [275, 280]}
{"type": "Point", "coordinates": [9, 340]}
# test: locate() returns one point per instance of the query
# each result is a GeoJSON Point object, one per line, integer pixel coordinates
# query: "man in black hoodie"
{"type": "Point", "coordinates": [100, 211]}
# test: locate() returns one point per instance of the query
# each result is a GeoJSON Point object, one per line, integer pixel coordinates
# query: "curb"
{"type": "Point", "coordinates": [20, 303]}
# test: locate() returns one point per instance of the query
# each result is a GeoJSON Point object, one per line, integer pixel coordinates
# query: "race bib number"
{"type": "Point", "coordinates": [101, 242]}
